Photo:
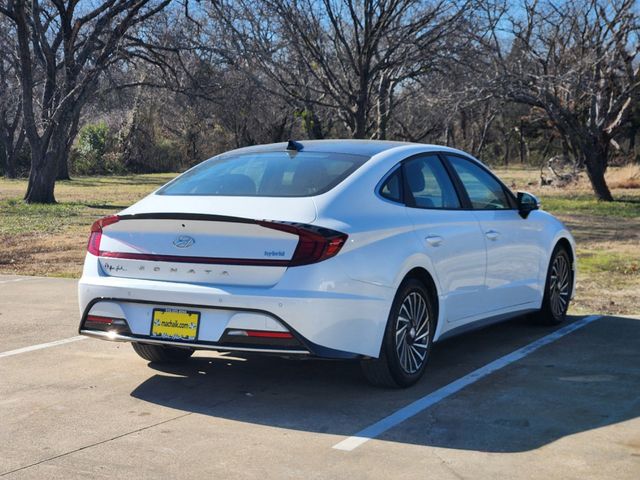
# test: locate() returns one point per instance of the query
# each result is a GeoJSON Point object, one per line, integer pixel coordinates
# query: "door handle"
{"type": "Point", "coordinates": [492, 234]}
{"type": "Point", "coordinates": [434, 240]}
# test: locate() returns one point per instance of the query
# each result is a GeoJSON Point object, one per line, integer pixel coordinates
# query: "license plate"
{"type": "Point", "coordinates": [175, 324]}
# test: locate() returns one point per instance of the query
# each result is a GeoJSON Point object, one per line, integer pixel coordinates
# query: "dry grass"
{"type": "Point", "coordinates": [624, 177]}
{"type": "Point", "coordinates": [51, 239]}
{"type": "Point", "coordinates": [619, 179]}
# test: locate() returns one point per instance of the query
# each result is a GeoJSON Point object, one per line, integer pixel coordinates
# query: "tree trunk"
{"type": "Point", "coordinates": [4, 158]}
{"type": "Point", "coordinates": [42, 178]}
{"type": "Point", "coordinates": [566, 150]}
{"type": "Point", "coordinates": [449, 137]}
{"type": "Point", "coordinates": [483, 135]}
{"type": "Point", "coordinates": [547, 147]}
{"type": "Point", "coordinates": [360, 121]}
{"type": "Point", "coordinates": [63, 168]}
{"type": "Point", "coordinates": [10, 165]}
{"type": "Point", "coordinates": [47, 154]}
{"type": "Point", "coordinates": [633, 133]}
{"type": "Point", "coordinates": [523, 151]}
{"type": "Point", "coordinates": [362, 102]}
{"type": "Point", "coordinates": [10, 149]}
{"type": "Point", "coordinates": [9, 152]}
{"type": "Point", "coordinates": [63, 160]}
{"type": "Point", "coordinates": [595, 171]}
{"type": "Point", "coordinates": [383, 106]}
{"type": "Point", "coordinates": [507, 151]}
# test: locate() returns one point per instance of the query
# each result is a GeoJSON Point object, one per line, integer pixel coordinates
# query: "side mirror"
{"type": "Point", "coordinates": [527, 203]}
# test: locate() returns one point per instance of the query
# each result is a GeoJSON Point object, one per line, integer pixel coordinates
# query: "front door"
{"type": "Point", "coordinates": [452, 237]}
{"type": "Point", "coordinates": [514, 252]}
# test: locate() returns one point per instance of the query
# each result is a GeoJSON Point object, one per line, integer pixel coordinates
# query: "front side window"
{"type": "Point", "coordinates": [429, 183]}
{"type": "Point", "coordinates": [484, 191]}
{"type": "Point", "coordinates": [266, 174]}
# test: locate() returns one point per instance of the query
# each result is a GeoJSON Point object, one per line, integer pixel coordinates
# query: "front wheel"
{"type": "Point", "coordinates": [557, 290]}
{"type": "Point", "coordinates": [162, 353]}
{"type": "Point", "coordinates": [407, 340]}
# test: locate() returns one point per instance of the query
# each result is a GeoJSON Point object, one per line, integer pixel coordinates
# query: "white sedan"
{"type": "Point", "coordinates": [344, 249]}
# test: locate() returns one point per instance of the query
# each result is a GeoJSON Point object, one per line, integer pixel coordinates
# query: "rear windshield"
{"type": "Point", "coordinates": [266, 174]}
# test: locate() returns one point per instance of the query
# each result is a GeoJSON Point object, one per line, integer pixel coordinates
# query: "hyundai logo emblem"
{"type": "Point", "coordinates": [184, 241]}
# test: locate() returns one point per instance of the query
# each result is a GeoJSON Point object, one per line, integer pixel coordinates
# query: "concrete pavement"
{"type": "Point", "coordinates": [92, 409]}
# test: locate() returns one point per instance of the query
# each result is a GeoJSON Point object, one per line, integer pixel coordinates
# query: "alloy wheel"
{"type": "Point", "coordinates": [559, 286]}
{"type": "Point", "coordinates": [413, 332]}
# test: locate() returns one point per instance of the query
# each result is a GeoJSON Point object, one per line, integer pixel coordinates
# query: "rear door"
{"type": "Point", "coordinates": [451, 236]}
{"type": "Point", "coordinates": [514, 251]}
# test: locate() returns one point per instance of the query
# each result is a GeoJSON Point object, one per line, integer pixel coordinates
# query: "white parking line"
{"type": "Point", "coordinates": [13, 280]}
{"type": "Point", "coordinates": [40, 346]}
{"type": "Point", "coordinates": [432, 398]}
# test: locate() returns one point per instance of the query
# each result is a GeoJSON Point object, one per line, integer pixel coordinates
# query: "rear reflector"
{"type": "Point", "coordinates": [258, 334]}
{"type": "Point", "coordinates": [97, 319]}
{"type": "Point", "coordinates": [260, 339]}
{"type": "Point", "coordinates": [106, 324]}
{"type": "Point", "coordinates": [265, 334]}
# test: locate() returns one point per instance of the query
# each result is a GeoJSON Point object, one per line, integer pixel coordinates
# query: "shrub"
{"type": "Point", "coordinates": [91, 154]}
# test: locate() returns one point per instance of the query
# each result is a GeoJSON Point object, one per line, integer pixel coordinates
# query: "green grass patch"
{"type": "Point", "coordinates": [143, 180]}
{"type": "Point", "coordinates": [80, 202]}
{"type": "Point", "coordinates": [602, 261]}
{"type": "Point", "coordinates": [623, 207]}
{"type": "Point", "coordinates": [17, 217]}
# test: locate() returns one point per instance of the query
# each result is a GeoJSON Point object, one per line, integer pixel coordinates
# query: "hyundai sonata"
{"type": "Point", "coordinates": [342, 249]}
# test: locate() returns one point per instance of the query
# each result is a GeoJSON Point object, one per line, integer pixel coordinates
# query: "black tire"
{"type": "Point", "coordinates": [557, 289]}
{"type": "Point", "coordinates": [162, 353]}
{"type": "Point", "coordinates": [392, 368]}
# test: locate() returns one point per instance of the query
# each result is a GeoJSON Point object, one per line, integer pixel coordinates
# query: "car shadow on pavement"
{"type": "Point", "coordinates": [586, 380]}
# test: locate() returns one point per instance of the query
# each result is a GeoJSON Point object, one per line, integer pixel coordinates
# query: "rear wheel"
{"type": "Point", "coordinates": [162, 353]}
{"type": "Point", "coordinates": [407, 341]}
{"type": "Point", "coordinates": [557, 290]}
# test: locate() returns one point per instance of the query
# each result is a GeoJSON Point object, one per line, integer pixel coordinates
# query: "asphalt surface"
{"type": "Point", "coordinates": [93, 409]}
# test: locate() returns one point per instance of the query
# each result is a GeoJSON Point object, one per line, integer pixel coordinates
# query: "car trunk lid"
{"type": "Point", "coordinates": [206, 247]}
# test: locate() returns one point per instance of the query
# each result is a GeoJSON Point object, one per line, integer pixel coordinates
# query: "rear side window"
{"type": "Point", "coordinates": [485, 192]}
{"type": "Point", "coordinates": [429, 183]}
{"type": "Point", "coordinates": [266, 174]}
{"type": "Point", "coordinates": [392, 187]}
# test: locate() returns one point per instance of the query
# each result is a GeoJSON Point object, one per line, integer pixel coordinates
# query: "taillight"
{"type": "Point", "coordinates": [93, 246]}
{"type": "Point", "coordinates": [315, 244]}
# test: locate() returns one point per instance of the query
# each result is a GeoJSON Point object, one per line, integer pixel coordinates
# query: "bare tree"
{"type": "Point", "coordinates": [577, 61]}
{"type": "Point", "coordinates": [11, 131]}
{"type": "Point", "coordinates": [346, 55]}
{"type": "Point", "coordinates": [63, 49]}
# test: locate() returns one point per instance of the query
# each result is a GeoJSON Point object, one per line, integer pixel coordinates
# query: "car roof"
{"type": "Point", "coordinates": [367, 148]}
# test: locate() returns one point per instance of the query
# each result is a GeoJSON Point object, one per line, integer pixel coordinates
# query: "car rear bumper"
{"type": "Point", "coordinates": [136, 330]}
{"type": "Point", "coordinates": [325, 324]}
{"type": "Point", "coordinates": [117, 337]}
